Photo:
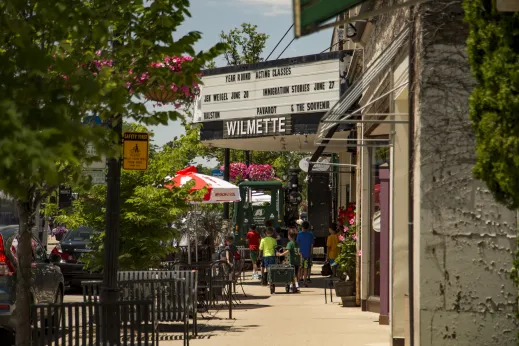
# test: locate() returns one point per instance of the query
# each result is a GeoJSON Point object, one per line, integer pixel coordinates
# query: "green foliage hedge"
{"type": "Point", "coordinates": [493, 48]}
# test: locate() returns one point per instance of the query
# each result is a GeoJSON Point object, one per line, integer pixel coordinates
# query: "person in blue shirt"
{"type": "Point", "coordinates": [305, 240]}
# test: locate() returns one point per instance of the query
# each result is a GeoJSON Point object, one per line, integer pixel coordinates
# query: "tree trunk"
{"type": "Point", "coordinates": [24, 273]}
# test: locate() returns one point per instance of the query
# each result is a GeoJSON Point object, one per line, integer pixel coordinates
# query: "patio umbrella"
{"type": "Point", "coordinates": [218, 191]}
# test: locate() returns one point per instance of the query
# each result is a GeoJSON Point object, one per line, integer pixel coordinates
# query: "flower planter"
{"type": "Point", "coordinates": [345, 291]}
{"type": "Point", "coordinates": [344, 288]}
{"type": "Point", "coordinates": [59, 236]}
{"type": "Point", "coordinates": [161, 95]}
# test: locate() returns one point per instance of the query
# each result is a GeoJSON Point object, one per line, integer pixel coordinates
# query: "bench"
{"type": "Point", "coordinates": [190, 288]}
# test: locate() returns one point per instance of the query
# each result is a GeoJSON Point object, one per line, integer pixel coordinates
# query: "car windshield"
{"type": "Point", "coordinates": [79, 234]}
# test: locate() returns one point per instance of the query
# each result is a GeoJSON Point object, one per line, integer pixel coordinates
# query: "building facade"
{"type": "Point", "coordinates": [450, 247]}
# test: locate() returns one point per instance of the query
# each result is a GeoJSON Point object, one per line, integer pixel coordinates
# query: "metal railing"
{"type": "Point", "coordinates": [87, 324]}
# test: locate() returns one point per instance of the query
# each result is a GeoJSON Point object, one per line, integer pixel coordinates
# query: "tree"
{"type": "Point", "coordinates": [244, 45]}
{"type": "Point", "coordinates": [494, 103]}
{"type": "Point", "coordinates": [147, 210]}
{"type": "Point", "coordinates": [60, 62]}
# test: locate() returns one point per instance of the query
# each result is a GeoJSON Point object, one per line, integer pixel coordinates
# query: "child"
{"type": "Point", "coordinates": [253, 238]}
{"type": "Point", "coordinates": [305, 239]}
{"type": "Point", "coordinates": [294, 256]}
{"type": "Point", "coordinates": [268, 251]}
{"type": "Point", "coordinates": [331, 245]}
{"type": "Point", "coordinates": [230, 249]}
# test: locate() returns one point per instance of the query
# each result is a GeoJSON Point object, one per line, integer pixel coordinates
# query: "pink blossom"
{"type": "Point", "coordinates": [346, 229]}
{"type": "Point", "coordinates": [354, 236]}
{"type": "Point", "coordinates": [359, 253]}
{"type": "Point", "coordinates": [99, 52]}
{"type": "Point", "coordinates": [341, 238]}
{"type": "Point", "coordinates": [352, 221]}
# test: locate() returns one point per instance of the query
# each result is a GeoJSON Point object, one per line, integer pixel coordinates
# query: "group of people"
{"type": "Point", "coordinates": [266, 251]}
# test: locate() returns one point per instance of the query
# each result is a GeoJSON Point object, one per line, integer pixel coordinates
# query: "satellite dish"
{"type": "Point", "coordinates": [304, 164]}
{"type": "Point", "coordinates": [324, 167]}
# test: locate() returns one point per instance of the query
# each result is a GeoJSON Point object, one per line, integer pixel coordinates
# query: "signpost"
{"type": "Point", "coordinates": [95, 169]}
{"type": "Point", "coordinates": [135, 151]}
{"type": "Point", "coordinates": [98, 177]}
{"type": "Point", "coordinates": [310, 14]}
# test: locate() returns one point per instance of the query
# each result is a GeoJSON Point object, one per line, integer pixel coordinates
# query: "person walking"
{"type": "Point", "coordinates": [305, 239]}
{"type": "Point", "coordinates": [267, 252]}
{"type": "Point", "coordinates": [254, 238]}
{"type": "Point", "coordinates": [331, 247]}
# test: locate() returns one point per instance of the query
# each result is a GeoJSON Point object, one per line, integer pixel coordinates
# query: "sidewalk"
{"type": "Point", "coordinates": [289, 319]}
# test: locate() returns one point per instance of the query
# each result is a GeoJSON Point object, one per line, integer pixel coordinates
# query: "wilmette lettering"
{"type": "Point", "coordinates": [255, 127]}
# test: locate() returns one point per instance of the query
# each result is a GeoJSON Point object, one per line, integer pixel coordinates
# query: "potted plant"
{"type": "Point", "coordinates": [346, 258]}
{"type": "Point", "coordinates": [58, 232]}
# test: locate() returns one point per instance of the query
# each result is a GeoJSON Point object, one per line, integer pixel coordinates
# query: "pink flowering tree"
{"type": "Point", "coordinates": [346, 259]}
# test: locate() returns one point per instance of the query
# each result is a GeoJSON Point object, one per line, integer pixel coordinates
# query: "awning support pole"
{"type": "Point", "coordinates": [334, 164]}
{"type": "Point", "coordinates": [369, 121]}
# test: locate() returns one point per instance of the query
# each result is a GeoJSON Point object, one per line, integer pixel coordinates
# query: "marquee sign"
{"type": "Point", "coordinates": [256, 127]}
{"type": "Point", "coordinates": [258, 100]}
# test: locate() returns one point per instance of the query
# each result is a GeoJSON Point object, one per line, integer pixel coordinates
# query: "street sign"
{"type": "Point", "coordinates": [96, 165]}
{"type": "Point", "coordinates": [98, 177]}
{"type": "Point", "coordinates": [309, 14]}
{"type": "Point", "coordinates": [92, 120]}
{"type": "Point", "coordinates": [217, 173]}
{"type": "Point", "coordinates": [135, 151]}
{"type": "Point", "coordinates": [65, 197]}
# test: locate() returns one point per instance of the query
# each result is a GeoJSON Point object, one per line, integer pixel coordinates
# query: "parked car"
{"type": "Point", "coordinates": [47, 283]}
{"type": "Point", "coordinates": [74, 244]}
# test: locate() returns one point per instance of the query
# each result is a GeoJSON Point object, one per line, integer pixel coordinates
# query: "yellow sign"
{"type": "Point", "coordinates": [135, 151]}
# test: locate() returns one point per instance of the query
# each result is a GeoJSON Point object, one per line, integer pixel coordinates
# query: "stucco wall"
{"type": "Point", "coordinates": [464, 240]}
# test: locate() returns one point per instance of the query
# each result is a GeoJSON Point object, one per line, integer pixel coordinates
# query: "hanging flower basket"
{"type": "Point", "coordinates": [161, 95]}
{"type": "Point", "coordinates": [168, 92]}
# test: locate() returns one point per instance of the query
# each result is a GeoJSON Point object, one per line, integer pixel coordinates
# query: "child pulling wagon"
{"type": "Point", "coordinates": [294, 259]}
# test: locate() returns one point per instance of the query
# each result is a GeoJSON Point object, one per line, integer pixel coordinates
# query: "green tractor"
{"type": "Point", "coordinates": [260, 201]}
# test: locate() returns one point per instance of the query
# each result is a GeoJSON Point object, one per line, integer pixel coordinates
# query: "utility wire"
{"type": "Point", "coordinates": [333, 45]}
{"type": "Point", "coordinates": [279, 42]}
{"type": "Point", "coordinates": [285, 48]}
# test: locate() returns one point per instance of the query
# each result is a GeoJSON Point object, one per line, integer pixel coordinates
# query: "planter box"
{"type": "Point", "coordinates": [348, 302]}
{"type": "Point", "coordinates": [344, 288]}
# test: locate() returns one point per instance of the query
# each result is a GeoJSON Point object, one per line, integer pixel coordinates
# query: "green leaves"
{"type": "Point", "coordinates": [494, 104]}
{"type": "Point", "coordinates": [244, 45]}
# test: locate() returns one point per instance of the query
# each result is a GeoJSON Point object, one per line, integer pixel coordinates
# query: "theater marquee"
{"type": "Point", "coordinates": [260, 99]}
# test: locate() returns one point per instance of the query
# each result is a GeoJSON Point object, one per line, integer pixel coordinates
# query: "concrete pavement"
{"type": "Point", "coordinates": [288, 319]}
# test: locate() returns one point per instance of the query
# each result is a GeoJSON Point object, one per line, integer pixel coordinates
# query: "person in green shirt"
{"type": "Point", "coordinates": [267, 250]}
{"type": "Point", "coordinates": [294, 256]}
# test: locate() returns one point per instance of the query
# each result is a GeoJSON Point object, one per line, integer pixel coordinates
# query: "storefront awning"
{"type": "Point", "coordinates": [330, 121]}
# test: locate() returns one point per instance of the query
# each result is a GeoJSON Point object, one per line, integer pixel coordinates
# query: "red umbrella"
{"type": "Point", "coordinates": [218, 190]}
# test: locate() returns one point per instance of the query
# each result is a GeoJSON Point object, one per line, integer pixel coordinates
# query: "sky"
{"type": "Point", "coordinates": [273, 17]}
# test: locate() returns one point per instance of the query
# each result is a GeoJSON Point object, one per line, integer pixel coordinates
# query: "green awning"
{"type": "Point", "coordinates": [309, 14]}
